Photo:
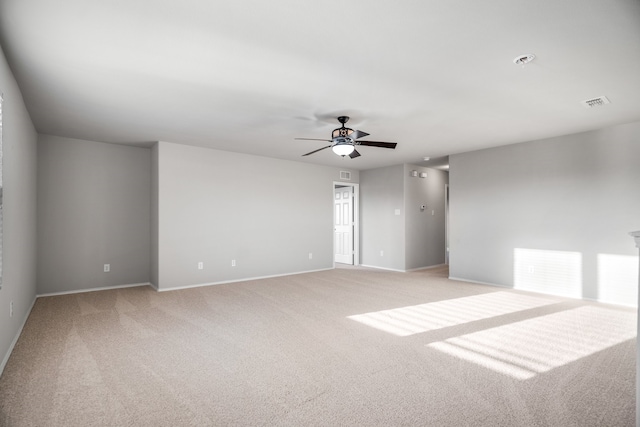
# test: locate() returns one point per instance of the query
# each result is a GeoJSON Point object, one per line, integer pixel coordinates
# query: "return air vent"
{"type": "Point", "coordinates": [596, 102]}
{"type": "Point", "coordinates": [345, 175]}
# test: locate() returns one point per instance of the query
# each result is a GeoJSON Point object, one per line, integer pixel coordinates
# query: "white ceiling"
{"type": "Point", "coordinates": [435, 76]}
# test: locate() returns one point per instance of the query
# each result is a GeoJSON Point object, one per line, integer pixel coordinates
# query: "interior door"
{"type": "Point", "coordinates": [343, 224]}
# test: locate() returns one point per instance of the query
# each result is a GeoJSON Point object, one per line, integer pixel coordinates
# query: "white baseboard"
{"type": "Point", "coordinates": [477, 282]}
{"type": "Point", "coordinates": [429, 267]}
{"type": "Point", "coordinates": [246, 279]}
{"type": "Point", "coordinates": [383, 268]}
{"type": "Point", "coordinates": [81, 291]}
{"type": "Point", "coordinates": [403, 271]}
{"type": "Point", "coordinates": [5, 359]}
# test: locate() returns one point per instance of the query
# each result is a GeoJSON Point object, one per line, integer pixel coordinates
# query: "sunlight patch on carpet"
{"type": "Point", "coordinates": [530, 347]}
{"type": "Point", "coordinates": [415, 319]}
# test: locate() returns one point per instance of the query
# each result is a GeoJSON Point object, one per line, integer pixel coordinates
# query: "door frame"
{"type": "Point", "coordinates": [446, 224]}
{"type": "Point", "coordinates": [356, 220]}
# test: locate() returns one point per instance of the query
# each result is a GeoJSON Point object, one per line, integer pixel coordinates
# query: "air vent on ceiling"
{"type": "Point", "coordinates": [524, 59]}
{"type": "Point", "coordinates": [595, 102]}
{"type": "Point", "coordinates": [345, 175]}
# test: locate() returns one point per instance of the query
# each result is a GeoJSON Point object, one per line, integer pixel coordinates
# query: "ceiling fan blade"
{"type": "Point", "coordinates": [378, 144]}
{"type": "Point", "coordinates": [315, 151]}
{"type": "Point", "coordinates": [358, 134]}
{"type": "Point", "coordinates": [314, 139]}
{"type": "Point", "coordinates": [354, 154]}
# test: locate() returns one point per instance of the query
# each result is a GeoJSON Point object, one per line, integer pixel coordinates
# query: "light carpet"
{"type": "Point", "coordinates": [343, 347]}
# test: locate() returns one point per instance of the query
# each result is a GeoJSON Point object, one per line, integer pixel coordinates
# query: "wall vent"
{"type": "Point", "coordinates": [345, 175]}
{"type": "Point", "coordinates": [596, 102]}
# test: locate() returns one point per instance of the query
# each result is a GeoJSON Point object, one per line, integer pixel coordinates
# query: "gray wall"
{"type": "Point", "coordinates": [411, 239]}
{"type": "Point", "coordinates": [550, 215]}
{"type": "Point", "coordinates": [94, 207]}
{"type": "Point", "coordinates": [19, 212]}
{"type": "Point", "coordinates": [424, 230]}
{"type": "Point", "coordinates": [216, 206]}
{"type": "Point", "coordinates": [381, 194]}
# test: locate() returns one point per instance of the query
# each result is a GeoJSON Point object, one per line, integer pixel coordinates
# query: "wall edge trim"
{"type": "Point", "coordinates": [384, 268]}
{"type": "Point", "coordinates": [246, 279]}
{"type": "Point", "coordinates": [15, 339]}
{"type": "Point", "coordinates": [104, 288]}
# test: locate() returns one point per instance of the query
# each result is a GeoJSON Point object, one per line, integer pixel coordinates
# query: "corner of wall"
{"type": "Point", "coordinates": [19, 140]}
{"type": "Point", "coordinates": [154, 268]}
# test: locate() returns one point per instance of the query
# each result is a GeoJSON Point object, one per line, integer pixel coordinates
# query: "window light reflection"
{"type": "Point", "coordinates": [618, 279]}
{"type": "Point", "coordinates": [548, 272]}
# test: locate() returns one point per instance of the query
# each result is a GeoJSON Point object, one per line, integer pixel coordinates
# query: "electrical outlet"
{"type": "Point", "coordinates": [200, 265]}
{"type": "Point", "coordinates": [381, 253]}
{"type": "Point", "coordinates": [310, 255]}
{"type": "Point", "coordinates": [11, 309]}
{"type": "Point", "coordinates": [233, 263]}
{"type": "Point", "coordinates": [107, 268]}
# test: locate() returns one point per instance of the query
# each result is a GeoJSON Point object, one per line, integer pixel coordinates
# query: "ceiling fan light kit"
{"type": "Point", "coordinates": [343, 149]}
{"type": "Point", "coordinates": [344, 140]}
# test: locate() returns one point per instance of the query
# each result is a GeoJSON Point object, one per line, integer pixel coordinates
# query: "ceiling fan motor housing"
{"type": "Point", "coordinates": [341, 140]}
{"type": "Point", "coordinates": [342, 132]}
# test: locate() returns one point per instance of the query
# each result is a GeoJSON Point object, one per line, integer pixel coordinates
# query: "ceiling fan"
{"type": "Point", "coordinates": [344, 140]}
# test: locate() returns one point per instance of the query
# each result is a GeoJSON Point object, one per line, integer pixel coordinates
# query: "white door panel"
{"type": "Point", "coordinates": [343, 225]}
